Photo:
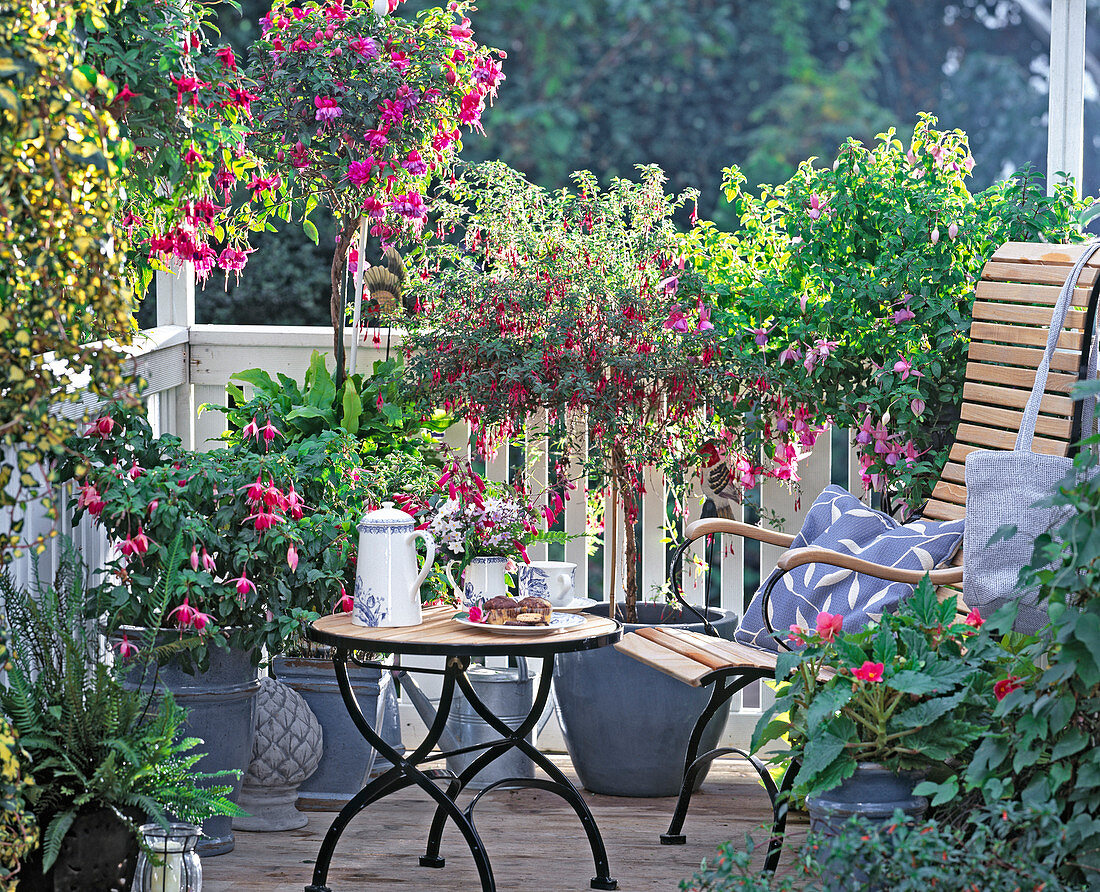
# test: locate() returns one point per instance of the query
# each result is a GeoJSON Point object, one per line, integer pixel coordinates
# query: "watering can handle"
{"type": "Point", "coordinates": [429, 559]}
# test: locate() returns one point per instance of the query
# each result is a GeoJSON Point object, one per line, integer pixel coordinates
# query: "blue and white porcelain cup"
{"type": "Point", "coordinates": [552, 580]}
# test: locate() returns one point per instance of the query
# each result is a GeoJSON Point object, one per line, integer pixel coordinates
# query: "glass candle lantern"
{"type": "Point", "coordinates": [168, 861]}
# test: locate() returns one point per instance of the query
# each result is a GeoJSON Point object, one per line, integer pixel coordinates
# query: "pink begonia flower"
{"type": "Point", "coordinates": [475, 614]}
{"type": "Point", "coordinates": [244, 584]}
{"type": "Point", "coordinates": [917, 406]}
{"type": "Point", "coordinates": [292, 558]}
{"type": "Point", "coordinates": [126, 648]}
{"type": "Point", "coordinates": [829, 625]}
{"type": "Point", "coordinates": [816, 206]}
{"type": "Point", "coordinates": [347, 602]}
{"type": "Point", "coordinates": [974, 618]}
{"type": "Point", "coordinates": [905, 369]}
{"type": "Point", "coordinates": [327, 109]}
{"type": "Point", "coordinates": [869, 671]}
{"type": "Point", "coordinates": [796, 635]}
{"type": "Point", "coordinates": [1006, 686]}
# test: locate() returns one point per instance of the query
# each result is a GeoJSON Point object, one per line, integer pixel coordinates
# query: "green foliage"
{"type": "Point", "coordinates": [60, 253]}
{"type": "Point", "coordinates": [18, 828]}
{"type": "Point", "coordinates": [913, 690]}
{"type": "Point", "coordinates": [1001, 851]}
{"type": "Point", "coordinates": [93, 742]}
{"type": "Point", "coordinates": [249, 540]}
{"type": "Point", "coordinates": [1043, 748]}
{"type": "Point", "coordinates": [844, 297]}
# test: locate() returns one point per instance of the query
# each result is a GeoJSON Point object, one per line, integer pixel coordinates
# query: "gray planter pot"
{"type": "Point", "coordinates": [873, 792]}
{"type": "Point", "coordinates": [221, 705]}
{"type": "Point", "coordinates": [626, 726]}
{"type": "Point", "coordinates": [345, 755]}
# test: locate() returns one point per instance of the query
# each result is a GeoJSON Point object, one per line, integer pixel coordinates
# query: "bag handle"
{"type": "Point", "coordinates": [1057, 322]}
{"type": "Point", "coordinates": [1084, 411]}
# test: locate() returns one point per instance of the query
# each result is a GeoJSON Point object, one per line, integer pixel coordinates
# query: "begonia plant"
{"type": "Point", "coordinates": [570, 306]}
{"type": "Point", "coordinates": [358, 111]}
{"type": "Point", "coordinates": [844, 297]}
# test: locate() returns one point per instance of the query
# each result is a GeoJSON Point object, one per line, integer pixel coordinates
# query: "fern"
{"type": "Point", "coordinates": [93, 741]}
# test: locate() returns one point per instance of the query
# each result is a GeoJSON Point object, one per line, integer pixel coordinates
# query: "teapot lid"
{"type": "Point", "coordinates": [386, 518]}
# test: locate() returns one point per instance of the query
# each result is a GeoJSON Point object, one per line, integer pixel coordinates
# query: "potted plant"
{"type": "Point", "coordinates": [868, 713]}
{"type": "Point", "coordinates": [574, 305]}
{"type": "Point", "coordinates": [18, 828]}
{"type": "Point", "coordinates": [357, 111]}
{"type": "Point", "coordinates": [249, 540]}
{"type": "Point", "coordinates": [106, 755]}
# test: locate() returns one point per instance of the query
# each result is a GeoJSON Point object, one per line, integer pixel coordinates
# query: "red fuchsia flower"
{"type": "Point", "coordinates": [255, 491]}
{"type": "Point", "coordinates": [89, 499]}
{"type": "Point", "coordinates": [225, 179]}
{"type": "Point", "coordinates": [292, 558]}
{"type": "Point", "coordinates": [103, 426]}
{"type": "Point", "coordinates": [191, 156]}
{"type": "Point", "coordinates": [974, 618]}
{"type": "Point", "coordinates": [294, 503]}
{"type": "Point", "coordinates": [869, 671]}
{"type": "Point", "coordinates": [225, 53]}
{"type": "Point", "coordinates": [393, 112]}
{"type": "Point", "coordinates": [376, 137]}
{"type": "Point", "coordinates": [125, 95]}
{"type": "Point", "coordinates": [399, 61]}
{"type": "Point", "coordinates": [251, 430]}
{"type": "Point", "coordinates": [817, 205]}
{"type": "Point", "coordinates": [241, 98]}
{"type": "Point", "coordinates": [126, 648]}
{"type": "Point", "coordinates": [187, 86]}
{"type": "Point", "coordinates": [1006, 686]}
{"type": "Point", "coordinates": [265, 520]}
{"type": "Point", "coordinates": [184, 614]}
{"type": "Point", "coordinates": [270, 432]}
{"type": "Point", "coordinates": [347, 602]}
{"type": "Point", "coordinates": [233, 260]}
{"type": "Point", "coordinates": [475, 614]}
{"type": "Point", "coordinates": [469, 111]}
{"type": "Point", "coordinates": [829, 625]}
{"type": "Point", "coordinates": [244, 585]}
{"type": "Point", "coordinates": [208, 562]}
{"type": "Point", "coordinates": [299, 156]}
{"type": "Point", "coordinates": [796, 634]}
{"type": "Point", "coordinates": [374, 206]}
{"type": "Point", "coordinates": [327, 109]}
{"type": "Point", "coordinates": [132, 545]}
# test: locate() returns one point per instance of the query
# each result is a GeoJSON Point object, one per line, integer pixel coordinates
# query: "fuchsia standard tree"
{"type": "Point", "coordinates": [358, 111]}
{"type": "Point", "coordinates": [574, 304]}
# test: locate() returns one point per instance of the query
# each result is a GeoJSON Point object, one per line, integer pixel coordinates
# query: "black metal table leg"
{"type": "Point", "coordinates": [722, 691]}
{"type": "Point", "coordinates": [516, 738]}
{"type": "Point", "coordinates": [403, 774]}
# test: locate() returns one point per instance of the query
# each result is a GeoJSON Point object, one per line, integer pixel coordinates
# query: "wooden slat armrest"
{"type": "Point", "coordinates": [798, 557]}
{"type": "Point", "coordinates": [710, 525]}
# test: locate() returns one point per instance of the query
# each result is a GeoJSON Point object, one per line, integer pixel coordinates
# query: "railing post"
{"type": "Point", "coordinates": [1066, 98]}
{"type": "Point", "coordinates": [176, 306]}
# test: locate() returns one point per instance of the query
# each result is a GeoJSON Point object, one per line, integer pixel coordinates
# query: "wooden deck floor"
{"type": "Point", "coordinates": [534, 841]}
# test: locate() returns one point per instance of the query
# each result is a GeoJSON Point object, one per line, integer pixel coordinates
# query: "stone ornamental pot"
{"type": "Point", "coordinates": [626, 726]}
{"type": "Point", "coordinates": [286, 750]}
{"type": "Point", "coordinates": [345, 754]}
{"type": "Point", "coordinates": [221, 706]}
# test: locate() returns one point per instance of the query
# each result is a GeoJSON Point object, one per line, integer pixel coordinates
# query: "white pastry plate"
{"type": "Point", "coordinates": [577, 604]}
{"type": "Point", "coordinates": [558, 622]}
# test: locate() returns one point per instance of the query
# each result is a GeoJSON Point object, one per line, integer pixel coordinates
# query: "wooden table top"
{"type": "Point", "coordinates": [440, 634]}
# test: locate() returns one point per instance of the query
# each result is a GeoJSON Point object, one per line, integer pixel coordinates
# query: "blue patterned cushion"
{"type": "Point", "coordinates": [838, 520]}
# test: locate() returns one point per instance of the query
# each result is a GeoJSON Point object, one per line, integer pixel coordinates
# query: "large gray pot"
{"type": "Point", "coordinates": [342, 770]}
{"type": "Point", "coordinates": [626, 726]}
{"type": "Point", "coordinates": [221, 705]}
{"type": "Point", "coordinates": [873, 792]}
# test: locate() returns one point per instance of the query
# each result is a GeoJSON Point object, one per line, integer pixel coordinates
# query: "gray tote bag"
{"type": "Point", "coordinates": [1002, 487]}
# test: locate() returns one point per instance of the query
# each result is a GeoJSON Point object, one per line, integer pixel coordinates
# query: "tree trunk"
{"type": "Point", "coordinates": [346, 233]}
{"type": "Point", "coordinates": [630, 583]}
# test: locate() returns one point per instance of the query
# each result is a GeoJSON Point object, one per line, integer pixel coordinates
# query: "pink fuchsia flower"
{"type": "Point", "coordinates": [475, 614]}
{"type": "Point", "coordinates": [817, 205]}
{"type": "Point", "coordinates": [255, 491]}
{"type": "Point", "coordinates": [796, 634]}
{"type": "Point", "coordinates": [132, 545]}
{"type": "Point", "coordinates": [410, 206]}
{"type": "Point", "coordinates": [904, 368]}
{"type": "Point", "coordinates": [669, 285]}
{"type": "Point", "coordinates": [225, 53]}
{"type": "Point", "coordinates": [952, 230]}
{"type": "Point", "coordinates": [90, 499]}
{"type": "Point", "coordinates": [244, 585]}
{"type": "Point", "coordinates": [935, 236]}
{"type": "Point", "coordinates": [270, 432]}
{"type": "Point", "coordinates": [125, 95]}
{"type": "Point", "coordinates": [704, 323]}
{"type": "Point", "coordinates": [126, 648]}
{"type": "Point", "coordinates": [917, 406]}
{"type": "Point", "coordinates": [251, 430]}
{"type": "Point", "coordinates": [791, 354]}
{"type": "Point", "coordinates": [676, 320]}
{"type": "Point", "coordinates": [184, 614]}
{"type": "Point", "coordinates": [208, 563]}
{"type": "Point", "coordinates": [470, 109]}
{"type": "Point", "coordinates": [869, 671]}
{"type": "Point", "coordinates": [912, 158]}
{"type": "Point", "coordinates": [903, 314]}
{"type": "Point", "coordinates": [376, 137]}
{"type": "Point", "coordinates": [103, 426]}
{"type": "Point", "coordinates": [189, 87]}
{"type": "Point", "coordinates": [364, 47]}
{"type": "Point", "coordinates": [974, 618]}
{"type": "Point", "coordinates": [968, 163]}
{"type": "Point", "coordinates": [292, 558]}
{"type": "Point", "coordinates": [265, 520]}
{"type": "Point", "coordinates": [359, 172]}
{"type": "Point", "coordinates": [374, 207]}
{"type": "Point", "coordinates": [195, 558]}
{"type": "Point", "coordinates": [760, 336]}
{"type": "Point", "coordinates": [414, 164]}
{"type": "Point", "coordinates": [1006, 686]}
{"type": "Point", "coordinates": [327, 109]}
{"type": "Point", "coordinates": [829, 625]}
{"type": "Point", "coordinates": [232, 260]}
{"type": "Point", "coordinates": [294, 503]}
{"type": "Point", "coordinates": [347, 602]}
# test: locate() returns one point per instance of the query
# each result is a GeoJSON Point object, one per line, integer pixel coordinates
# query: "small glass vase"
{"type": "Point", "coordinates": [168, 861]}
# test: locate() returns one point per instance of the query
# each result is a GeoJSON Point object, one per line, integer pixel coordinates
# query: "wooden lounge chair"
{"type": "Point", "coordinates": [1013, 304]}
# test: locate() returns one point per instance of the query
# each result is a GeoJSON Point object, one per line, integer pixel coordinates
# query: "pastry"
{"type": "Point", "coordinates": [499, 610]}
{"type": "Point", "coordinates": [539, 606]}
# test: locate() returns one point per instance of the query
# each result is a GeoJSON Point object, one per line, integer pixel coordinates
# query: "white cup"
{"type": "Point", "coordinates": [552, 580]}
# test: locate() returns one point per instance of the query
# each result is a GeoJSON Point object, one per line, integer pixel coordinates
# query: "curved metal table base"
{"type": "Point", "coordinates": [406, 773]}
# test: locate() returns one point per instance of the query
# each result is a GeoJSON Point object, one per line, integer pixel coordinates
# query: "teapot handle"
{"type": "Point", "coordinates": [450, 577]}
{"type": "Point", "coordinates": [429, 559]}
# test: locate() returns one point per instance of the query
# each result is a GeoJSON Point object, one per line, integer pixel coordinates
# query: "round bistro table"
{"type": "Point", "coordinates": [440, 635]}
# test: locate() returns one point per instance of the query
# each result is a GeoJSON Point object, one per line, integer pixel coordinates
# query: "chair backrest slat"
{"type": "Point", "coordinates": [1014, 302]}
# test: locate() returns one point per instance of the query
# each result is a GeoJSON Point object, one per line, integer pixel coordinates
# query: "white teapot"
{"type": "Point", "coordinates": [387, 581]}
